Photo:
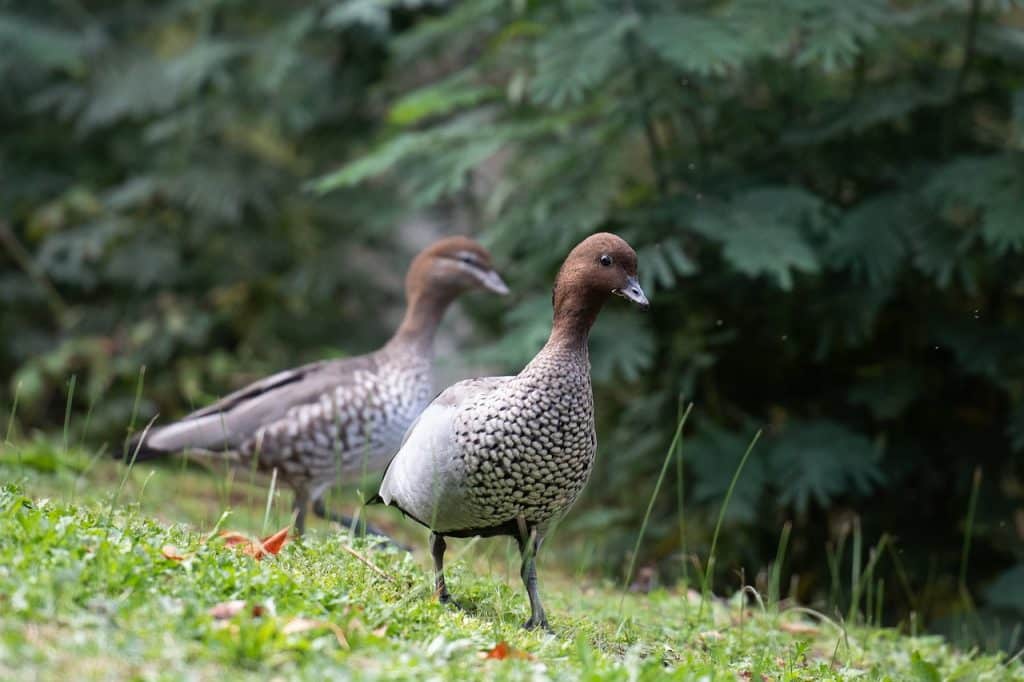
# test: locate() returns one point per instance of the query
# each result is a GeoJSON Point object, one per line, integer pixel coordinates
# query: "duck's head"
{"type": "Point", "coordinates": [452, 266]}
{"type": "Point", "coordinates": [601, 265]}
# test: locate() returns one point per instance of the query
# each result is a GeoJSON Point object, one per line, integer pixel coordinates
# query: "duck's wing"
{"type": "Point", "coordinates": [424, 470]}
{"type": "Point", "coordinates": [229, 422]}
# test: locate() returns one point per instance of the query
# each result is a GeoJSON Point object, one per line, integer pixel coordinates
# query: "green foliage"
{"type": "Point", "coordinates": [760, 232]}
{"type": "Point", "coordinates": [825, 196]}
{"type": "Point", "coordinates": [819, 461]}
{"type": "Point", "coordinates": [827, 199]}
{"type": "Point", "coordinates": [153, 172]}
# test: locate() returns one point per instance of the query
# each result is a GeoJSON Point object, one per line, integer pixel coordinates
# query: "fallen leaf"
{"type": "Point", "coordinates": [296, 625]}
{"type": "Point", "coordinates": [502, 650]}
{"type": "Point", "coordinates": [273, 543]}
{"type": "Point", "coordinates": [232, 538]}
{"type": "Point", "coordinates": [748, 675]}
{"type": "Point", "coordinates": [799, 628]}
{"type": "Point", "coordinates": [230, 609]}
{"type": "Point", "coordinates": [173, 553]}
{"type": "Point", "coordinates": [257, 549]}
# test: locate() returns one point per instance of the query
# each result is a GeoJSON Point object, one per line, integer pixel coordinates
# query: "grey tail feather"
{"type": "Point", "coordinates": [145, 453]}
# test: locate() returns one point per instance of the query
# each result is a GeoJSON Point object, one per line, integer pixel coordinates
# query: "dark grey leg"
{"type": "Point", "coordinates": [361, 528]}
{"type": "Point", "coordinates": [437, 548]}
{"type": "Point", "coordinates": [528, 548]}
{"type": "Point", "coordinates": [300, 504]}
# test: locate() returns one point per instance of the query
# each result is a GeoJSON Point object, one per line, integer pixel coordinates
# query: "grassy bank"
{"type": "Point", "coordinates": [95, 590]}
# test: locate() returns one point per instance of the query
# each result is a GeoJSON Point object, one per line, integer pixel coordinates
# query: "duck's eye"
{"type": "Point", "coordinates": [467, 259]}
{"type": "Point", "coordinates": [605, 260]}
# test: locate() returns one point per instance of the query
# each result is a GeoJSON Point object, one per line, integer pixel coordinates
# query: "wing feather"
{"type": "Point", "coordinates": [422, 474]}
{"type": "Point", "coordinates": [232, 420]}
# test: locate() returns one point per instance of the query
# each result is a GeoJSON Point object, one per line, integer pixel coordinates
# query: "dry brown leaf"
{"type": "Point", "coordinates": [232, 538]}
{"type": "Point", "coordinates": [296, 625]}
{"type": "Point", "coordinates": [227, 609]}
{"type": "Point", "coordinates": [173, 553]}
{"type": "Point", "coordinates": [230, 609]}
{"type": "Point", "coordinates": [502, 650]}
{"type": "Point", "coordinates": [257, 549]}
{"type": "Point", "coordinates": [272, 544]}
{"type": "Point", "coordinates": [799, 628]}
{"type": "Point", "coordinates": [748, 675]}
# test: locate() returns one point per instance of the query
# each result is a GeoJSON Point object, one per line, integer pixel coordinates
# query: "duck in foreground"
{"type": "Point", "coordinates": [509, 455]}
{"type": "Point", "coordinates": [333, 420]}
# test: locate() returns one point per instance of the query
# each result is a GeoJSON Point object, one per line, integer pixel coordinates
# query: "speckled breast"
{"type": "Point", "coordinates": [351, 430]}
{"type": "Point", "coordinates": [528, 448]}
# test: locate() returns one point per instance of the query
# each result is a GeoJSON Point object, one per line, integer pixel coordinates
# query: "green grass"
{"type": "Point", "coordinates": [86, 593]}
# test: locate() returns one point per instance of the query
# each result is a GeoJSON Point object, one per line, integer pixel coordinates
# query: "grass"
{"type": "Point", "coordinates": [86, 592]}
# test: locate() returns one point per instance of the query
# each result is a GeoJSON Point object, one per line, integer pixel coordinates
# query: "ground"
{"type": "Point", "coordinates": [101, 579]}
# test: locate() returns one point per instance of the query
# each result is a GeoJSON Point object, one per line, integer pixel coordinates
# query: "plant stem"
{"type": "Point", "coordinates": [20, 255]}
{"type": "Point", "coordinates": [681, 499]}
{"type": "Point", "coordinates": [970, 41]}
{"type": "Point", "coordinates": [650, 135]}
{"type": "Point", "coordinates": [650, 504]}
{"type": "Point", "coordinates": [972, 505]}
{"type": "Point", "coordinates": [706, 587]}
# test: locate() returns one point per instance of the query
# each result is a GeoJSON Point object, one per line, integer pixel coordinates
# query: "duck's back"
{"type": "Point", "coordinates": [352, 426]}
{"type": "Point", "coordinates": [488, 452]}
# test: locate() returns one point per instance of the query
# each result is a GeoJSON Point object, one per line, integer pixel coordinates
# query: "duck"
{"type": "Point", "coordinates": [509, 455]}
{"type": "Point", "coordinates": [338, 419]}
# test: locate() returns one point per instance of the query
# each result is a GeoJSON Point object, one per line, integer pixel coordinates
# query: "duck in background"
{"type": "Point", "coordinates": [334, 420]}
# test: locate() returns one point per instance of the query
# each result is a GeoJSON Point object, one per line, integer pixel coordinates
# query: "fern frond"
{"type": "Point", "coordinates": [706, 46]}
{"type": "Point", "coordinates": [46, 46]}
{"type": "Point", "coordinates": [439, 99]}
{"type": "Point", "coordinates": [869, 239]}
{"type": "Point", "coordinates": [821, 460]}
{"type": "Point", "coordinates": [571, 60]}
{"type": "Point", "coordinates": [761, 231]}
{"type": "Point", "coordinates": [985, 190]}
{"type": "Point", "coordinates": [664, 262]}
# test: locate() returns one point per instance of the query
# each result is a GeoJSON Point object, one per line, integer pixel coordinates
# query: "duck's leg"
{"type": "Point", "coordinates": [528, 548]}
{"type": "Point", "coordinates": [363, 527]}
{"type": "Point", "coordinates": [321, 510]}
{"type": "Point", "coordinates": [300, 504]}
{"type": "Point", "coordinates": [437, 548]}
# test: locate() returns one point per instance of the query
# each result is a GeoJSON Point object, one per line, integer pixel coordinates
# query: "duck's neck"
{"type": "Point", "coordinates": [422, 317]}
{"type": "Point", "coordinates": [570, 328]}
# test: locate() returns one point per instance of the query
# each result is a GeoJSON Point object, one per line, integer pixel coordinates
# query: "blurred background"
{"type": "Point", "coordinates": [827, 198]}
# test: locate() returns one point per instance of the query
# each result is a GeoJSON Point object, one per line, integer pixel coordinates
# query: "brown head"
{"type": "Point", "coordinates": [600, 266]}
{"type": "Point", "coordinates": [452, 266]}
{"type": "Point", "coordinates": [437, 276]}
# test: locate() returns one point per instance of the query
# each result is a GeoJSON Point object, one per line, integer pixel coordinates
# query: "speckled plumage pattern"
{"type": "Point", "coordinates": [527, 448]}
{"type": "Point", "coordinates": [353, 427]}
{"type": "Point", "coordinates": [510, 455]}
